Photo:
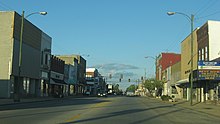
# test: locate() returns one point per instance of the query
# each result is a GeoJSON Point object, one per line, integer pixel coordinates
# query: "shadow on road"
{"type": "Point", "coordinates": [53, 103]}
{"type": "Point", "coordinates": [127, 112]}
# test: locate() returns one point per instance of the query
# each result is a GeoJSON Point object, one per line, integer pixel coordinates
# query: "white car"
{"type": "Point", "coordinates": [102, 94]}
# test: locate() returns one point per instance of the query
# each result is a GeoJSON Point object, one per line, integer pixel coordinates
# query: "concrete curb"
{"type": "Point", "coordinates": [193, 108]}
{"type": "Point", "coordinates": [38, 100]}
{"type": "Point", "coordinates": [24, 102]}
{"type": "Point", "coordinates": [198, 109]}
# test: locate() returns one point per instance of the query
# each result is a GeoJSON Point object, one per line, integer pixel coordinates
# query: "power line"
{"type": "Point", "coordinates": [208, 15]}
{"type": "Point", "coordinates": [180, 37]}
{"type": "Point", "coordinates": [5, 6]}
{"type": "Point", "coordinates": [208, 6]}
{"type": "Point", "coordinates": [207, 3]}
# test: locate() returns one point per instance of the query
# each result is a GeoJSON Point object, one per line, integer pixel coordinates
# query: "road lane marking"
{"type": "Point", "coordinates": [102, 104]}
{"type": "Point", "coordinates": [74, 118]}
{"type": "Point", "coordinates": [97, 105]}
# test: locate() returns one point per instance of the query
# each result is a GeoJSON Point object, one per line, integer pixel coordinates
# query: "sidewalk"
{"type": "Point", "coordinates": [4, 102]}
{"type": "Point", "coordinates": [25, 100]}
{"type": "Point", "coordinates": [207, 108]}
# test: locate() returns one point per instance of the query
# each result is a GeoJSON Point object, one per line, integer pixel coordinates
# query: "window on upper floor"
{"type": "Point", "coordinates": [46, 59]}
{"type": "Point", "coordinates": [202, 54]}
{"type": "Point", "coordinates": [42, 57]}
{"type": "Point", "coordinates": [206, 53]}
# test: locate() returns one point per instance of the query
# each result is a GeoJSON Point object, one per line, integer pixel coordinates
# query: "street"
{"type": "Point", "coordinates": [110, 110]}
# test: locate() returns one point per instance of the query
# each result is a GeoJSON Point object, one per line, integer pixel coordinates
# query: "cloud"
{"type": "Point", "coordinates": [117, 69]}
{"type": "Point", "coordinates": [125, 75]}
{"type": "Point", "coordinates": [115, 66]}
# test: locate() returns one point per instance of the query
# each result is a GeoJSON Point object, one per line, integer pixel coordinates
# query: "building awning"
{"type": "Point", "coordinates": [57, 82]}
{"type": "Point", "coordinates": [183, 81]}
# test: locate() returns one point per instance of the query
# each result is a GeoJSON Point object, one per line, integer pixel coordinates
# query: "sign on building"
{"type": "Point", "coordinates": [208, 70]}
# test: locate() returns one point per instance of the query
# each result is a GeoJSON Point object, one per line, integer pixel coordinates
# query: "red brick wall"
{"type": "Point", "coordinates": [57, 64]}
{"type": "Point", "coordinates": [169, 59]}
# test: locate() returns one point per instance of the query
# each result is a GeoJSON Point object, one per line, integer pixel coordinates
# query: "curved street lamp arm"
{"type": "Point", "coordinates": [187, 16]}
{"type": "Point", "coordinates": [150, 57]}
{"type": "Point", "coordinates": [41, 13]}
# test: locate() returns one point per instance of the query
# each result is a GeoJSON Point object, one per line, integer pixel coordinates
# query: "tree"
{"type": "Point", "coordinates": [116, 88]}
{"type": "Point", "coordinates": [149, 85]}
{"type": "Point", "coordinates": [152, 84]}
{"type": "Point", "coordinates": [131, 88]}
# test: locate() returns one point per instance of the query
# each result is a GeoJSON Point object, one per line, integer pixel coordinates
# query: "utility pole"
{"type": "Point", "coordinates": [191, 19]}
{"type": "Point", "coordinates": [17, 84]}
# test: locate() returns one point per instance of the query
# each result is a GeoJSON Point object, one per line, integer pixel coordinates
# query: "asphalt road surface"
{"type": "Point", "coordinates": [110, 110]}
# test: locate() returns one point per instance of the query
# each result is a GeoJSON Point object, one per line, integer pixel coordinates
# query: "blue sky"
{"type": "Point", "coordinates": [116, 34]}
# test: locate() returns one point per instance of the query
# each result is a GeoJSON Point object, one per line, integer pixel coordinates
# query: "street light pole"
{"type": "Point", "coordinates": [191, 19]}
{"type": "Point", "coordinates": [154, 63]}
{"type": "Point", "coordinates": [191, 70]}
{"type": "Point", "coordinates": [17, 85]}
{"type": "Point", "coordinates": [145, 74]}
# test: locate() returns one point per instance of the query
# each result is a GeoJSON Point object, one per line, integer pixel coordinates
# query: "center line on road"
{"type": "Point", "coordinates": [97, 105]}
{"type": "Point", "coordinates": [73, 118]}
{"type": "Point", "coordinates": [102, 104]}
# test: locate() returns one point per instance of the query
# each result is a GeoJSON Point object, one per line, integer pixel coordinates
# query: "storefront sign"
{"type": "Point", "coordinates": [209, 65]}
{"type": "Point", "coordinates": [209, 75]}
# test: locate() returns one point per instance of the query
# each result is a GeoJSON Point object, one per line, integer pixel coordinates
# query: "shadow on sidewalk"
{"type": "Point", "coordinates": [186, 102]}
{"type": "Point", "coordinates": [179, 103]}
{"type": "Point", "coordinates": [52, 103]}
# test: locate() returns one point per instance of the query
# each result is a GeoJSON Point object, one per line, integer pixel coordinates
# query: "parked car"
{"type": "Point", "coordinates": [87, 93]}
{"type": "Point", "coordinates": [102, 94]}
{"type": "Point", "coordinates": [58, 95]}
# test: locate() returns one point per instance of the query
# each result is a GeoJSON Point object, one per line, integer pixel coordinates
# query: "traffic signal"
{"type": "Point", "coordinates": [129, 80]}
{"type": "Point", "coordinates": [110, 76]}
{"type": "Point", "coordinates": [120, 80]}
{"type": "Point", "coordinates": [142, 78]}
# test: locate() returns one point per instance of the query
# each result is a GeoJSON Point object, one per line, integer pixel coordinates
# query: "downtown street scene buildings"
{"type": "Point", "coordinates": [28, 68]}
{"type": "Point", "coordinates": [95, 82]}
{"type": "Point", "coordinates": [173, 69]}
